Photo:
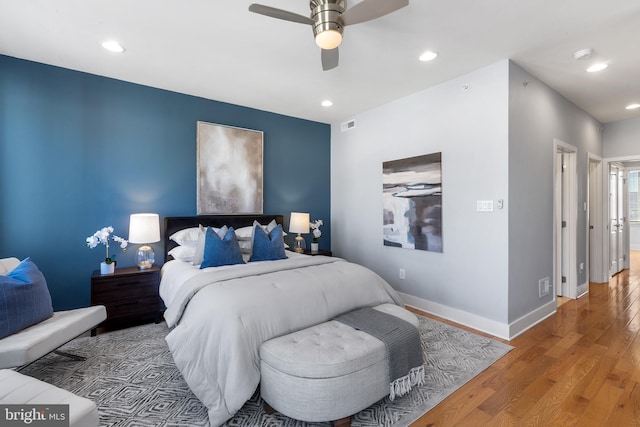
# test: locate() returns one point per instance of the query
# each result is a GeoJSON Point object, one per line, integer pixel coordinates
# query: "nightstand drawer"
{"type": "Point", "coordinates": [124, 290]}
{"type": "Point", "coordinates": [133, 308]}
{"type": "Point", "coordinates": [129, 294]}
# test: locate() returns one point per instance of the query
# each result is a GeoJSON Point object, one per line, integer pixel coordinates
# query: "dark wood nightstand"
{"type": "Point", "coordinates": [130, 295]}
{"type": "Point", "coordinates": [320, 252]}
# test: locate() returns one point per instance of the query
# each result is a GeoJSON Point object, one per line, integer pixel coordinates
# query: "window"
{"type": "Point", "coordinates": [634, 205]}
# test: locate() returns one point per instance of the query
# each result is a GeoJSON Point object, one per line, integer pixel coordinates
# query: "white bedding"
{"type": "Point", "coordinates": [220, 316]}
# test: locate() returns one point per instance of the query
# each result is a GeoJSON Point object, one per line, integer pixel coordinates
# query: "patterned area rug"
{"type": "Point", "coordinates": [132, 378]}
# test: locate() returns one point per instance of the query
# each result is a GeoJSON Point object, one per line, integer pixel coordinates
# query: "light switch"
{"type": "Point", "coordinates": [484, 205]}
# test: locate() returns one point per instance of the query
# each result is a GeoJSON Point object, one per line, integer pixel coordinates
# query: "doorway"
{"type": "Point", "coordinates": [597, 265]}
{"type": "Point", "coordinates": [617, 219]}
{"type": "Point", "coordinates": [565, 220]}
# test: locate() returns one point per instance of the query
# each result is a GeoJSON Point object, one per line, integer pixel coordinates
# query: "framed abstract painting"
{"type": "Point", "coordinates": [229, 168]}
{"type": "Point", "coordinates": [412, 202]}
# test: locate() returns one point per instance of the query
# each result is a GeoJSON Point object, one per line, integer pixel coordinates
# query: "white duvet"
{"type": "Point", "coordinates": [221, 315]}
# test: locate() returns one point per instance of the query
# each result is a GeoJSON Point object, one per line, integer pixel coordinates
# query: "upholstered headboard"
{"type": "Point", "coordinates": [177, 223]}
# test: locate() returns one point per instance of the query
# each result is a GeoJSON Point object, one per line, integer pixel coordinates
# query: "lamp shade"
{"type": "Point", "coordinates": [144, 228]}
{"type": "Point", "coordinates": [299, 222]}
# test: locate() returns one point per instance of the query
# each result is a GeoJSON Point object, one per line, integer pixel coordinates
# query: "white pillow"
{"type": "Point", "coordinates": [245, 246]}
{"type": "Point", "coordinates": [183, 253]}
{"type": "Point", "coordinates": [199, 254]}
{"type": "Point", "coordinates": [246, 233]}
{"type": "Point", "coordinates": [187, 236]}
{"type": "Point", "coordinates": [7, 265]}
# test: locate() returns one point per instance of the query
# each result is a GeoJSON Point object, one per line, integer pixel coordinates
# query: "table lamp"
{"type": "Point", "coordinates": [299, 223]}
{"type": "Point", "coordinates": [144, 228]}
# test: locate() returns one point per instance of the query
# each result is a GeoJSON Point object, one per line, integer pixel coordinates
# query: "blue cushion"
{"type": "Point", "coordinates": [221, 251]}
{"type": "Point", "coordinates": [24, 298]}
{"type": "Point", "coordinates": [267, 247]}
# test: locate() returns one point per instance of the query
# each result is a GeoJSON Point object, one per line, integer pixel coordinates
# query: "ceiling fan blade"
{"type": "Point", "coordinates": [329, 59]}
{"type": "Point", "coordinates": [280, 14]}
{"type": "Point", "coordinates": [371, 9]}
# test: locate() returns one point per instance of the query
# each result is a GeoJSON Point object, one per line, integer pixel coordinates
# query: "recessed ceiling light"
{"type": "Point", "coordinates": [597, 67]}
{"type": "Point", "coordinates": [428, 56]}
{"type": "Point", "coordinates": [113, 46]}
{"type": "Point", "coordinates": [632, 106]}
{"type": "Point", "coordinates": [327, 103]}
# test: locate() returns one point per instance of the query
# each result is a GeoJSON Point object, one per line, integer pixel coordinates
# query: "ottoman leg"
{"type": "Point", "coordinates": [342, 422]}
{"type": "Point", "coordinates": [267, 408]}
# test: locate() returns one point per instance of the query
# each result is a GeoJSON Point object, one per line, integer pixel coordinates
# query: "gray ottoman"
{"type": "Point", "coordinates": [327, 372]}
{"type": "Point", "coordinates": [16, 388]}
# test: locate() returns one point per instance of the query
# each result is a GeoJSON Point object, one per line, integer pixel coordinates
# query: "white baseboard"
{"type": "Point", "coordinates": [532, 318]}
{"type": "Point", "coordinates": [583, 289]}
{"type": "Point", "coordinates": [479, 323]}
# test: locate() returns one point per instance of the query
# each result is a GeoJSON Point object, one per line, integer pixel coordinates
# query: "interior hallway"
{"type": "Point", "coordinates": [579, 367]}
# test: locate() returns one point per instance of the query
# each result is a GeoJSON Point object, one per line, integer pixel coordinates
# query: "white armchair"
{"type": "Point", "coordinates": [27, 345]}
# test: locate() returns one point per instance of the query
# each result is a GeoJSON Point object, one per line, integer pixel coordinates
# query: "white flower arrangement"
{"type": "Point", "coordinates": [102, 236]}
{"type": "Point", "coordinates": [315, 225]}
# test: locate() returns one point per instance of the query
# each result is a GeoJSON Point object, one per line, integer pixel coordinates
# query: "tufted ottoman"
{"type": "Point", "coordinates": [16, 388]}
{"type": "Point", "coordinates": [327, 372]}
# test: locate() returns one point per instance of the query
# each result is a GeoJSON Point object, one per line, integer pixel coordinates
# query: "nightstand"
{"type": "Point", "coordinates": [320, 252]}
{"type": "Point", "coordinates": [130, 295]}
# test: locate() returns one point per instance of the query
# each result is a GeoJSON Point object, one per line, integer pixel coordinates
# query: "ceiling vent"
{"type": "Point", "coordinates": [348, 125]}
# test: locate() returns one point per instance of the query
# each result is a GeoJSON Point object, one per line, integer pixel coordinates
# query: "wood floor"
{"type": "Point", "coordinates": [580, 367]}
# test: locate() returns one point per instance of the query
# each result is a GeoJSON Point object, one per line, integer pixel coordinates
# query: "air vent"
{"type": "Point", "coordinates": [348, 125]}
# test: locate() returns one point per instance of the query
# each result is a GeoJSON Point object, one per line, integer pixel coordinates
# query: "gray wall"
{"type": "Point", "coordinates": [537, 116]}
{"type": "Point", "coordinates": [470, 129]}
{"type": "Point", "coordinates": [622, 139]}
{"type": "Point", "coordinates": [496, 141]}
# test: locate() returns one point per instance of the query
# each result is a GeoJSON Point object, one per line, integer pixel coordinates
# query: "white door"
{"type": "Point", "coordinates": [565, 220]}
{"type": "Point", "coordinates": [598, 268]}
{"type": "Point", "coordinates": [616, 219]}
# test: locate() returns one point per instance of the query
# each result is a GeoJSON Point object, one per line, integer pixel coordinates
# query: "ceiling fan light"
{"type": "Point", "coordinates": [329, 39]}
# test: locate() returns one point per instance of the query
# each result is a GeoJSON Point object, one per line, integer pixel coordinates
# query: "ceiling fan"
{"type": "Point", "coordinates": [328, 19]}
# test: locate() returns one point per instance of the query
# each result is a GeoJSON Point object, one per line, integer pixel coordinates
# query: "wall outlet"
{"type": "Point", "coordinates": [401, 273]}
{"type": "Point", "coordinates": [544, 287]}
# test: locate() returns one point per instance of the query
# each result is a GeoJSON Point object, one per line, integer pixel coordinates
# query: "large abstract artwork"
{"type": "Point", "coordinates": [412, 202]}
{"type": "Point", "coordinates": [229, 170]}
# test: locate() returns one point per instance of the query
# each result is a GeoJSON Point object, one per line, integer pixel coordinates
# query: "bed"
{"type": "Point", "coordinates": [219, 316]}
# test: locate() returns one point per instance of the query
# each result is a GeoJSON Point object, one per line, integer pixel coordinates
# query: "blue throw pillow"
{"type": "Point", "coordinates": [24, 298]}
{"type": "Point", "coordinates": [267, 247]}
{"type": "Point", "coordinates": [221, 251]}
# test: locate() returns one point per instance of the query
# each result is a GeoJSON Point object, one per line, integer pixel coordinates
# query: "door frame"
{"type": "Point", "coordinates": [596, 218]}
{"type": "Point", "coordinates": [569, 200]}
{"type": "Point", "coordinates": [621, 253]}
{"type": "Point", "coordinates": [622, 160]}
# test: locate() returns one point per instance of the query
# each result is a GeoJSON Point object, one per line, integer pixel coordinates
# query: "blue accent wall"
{"type": "Point", "coordinates": [79, 152]}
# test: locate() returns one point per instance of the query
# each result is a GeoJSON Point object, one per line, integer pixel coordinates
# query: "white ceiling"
{"type": "Point", "coordinates": [218, 50]}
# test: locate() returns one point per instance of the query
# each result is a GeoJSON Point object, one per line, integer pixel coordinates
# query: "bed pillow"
{"type": "Point", "coordinates": [183, 253]}
{"type": "Point", "coordinates": [268, 247]}
{"type": "Point", "coordinates": [24, 298]}
{"type": "Point", "coordinates": [245, 233]}
{"type": "Point", "coordinates": [202, 237]}
{"type": "Point", "coordinates": [221, 251]}
{"type": "Point", "coordinates": [187, 236]}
